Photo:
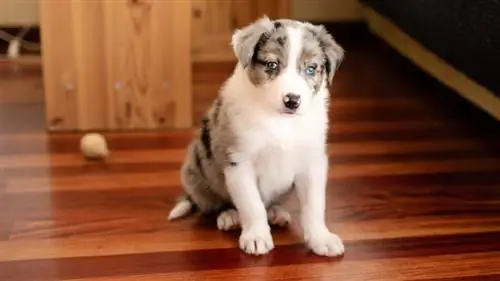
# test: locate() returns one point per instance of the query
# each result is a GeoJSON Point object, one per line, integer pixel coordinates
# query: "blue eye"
{"type": "Point", "coordinates": [311, 70]}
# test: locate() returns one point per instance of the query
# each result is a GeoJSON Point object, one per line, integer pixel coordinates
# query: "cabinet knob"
{"type": "Point", "coordinates": [196, 13]}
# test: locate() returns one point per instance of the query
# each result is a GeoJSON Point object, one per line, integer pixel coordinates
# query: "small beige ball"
{"type": "Point", "coordinates": [93, 145]}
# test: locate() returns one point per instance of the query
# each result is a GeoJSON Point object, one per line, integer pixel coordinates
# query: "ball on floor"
{"type": "Point", "coordinates": [94, 146]}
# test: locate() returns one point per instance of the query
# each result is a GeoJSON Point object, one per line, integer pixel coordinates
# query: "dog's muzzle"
{"type": "Point", "coordinates": [291, 102]}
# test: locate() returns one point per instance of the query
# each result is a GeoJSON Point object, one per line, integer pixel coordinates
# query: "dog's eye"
{"type": "Point", "coordinates": [311, 69]}
{"type": "Point", "coordinates": [271, 66]}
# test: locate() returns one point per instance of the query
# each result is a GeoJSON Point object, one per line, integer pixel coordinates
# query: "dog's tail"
{"type": "Point", "coordinates": [183, 207]}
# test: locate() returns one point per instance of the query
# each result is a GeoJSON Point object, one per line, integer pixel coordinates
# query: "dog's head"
{"type": "Point", "coordinates": [290, 61]}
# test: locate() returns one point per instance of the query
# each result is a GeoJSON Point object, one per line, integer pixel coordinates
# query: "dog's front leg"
{"type": "Point", "coordinates": [241, 182]}
{"type": "Point", "coordinates": [311, 191]}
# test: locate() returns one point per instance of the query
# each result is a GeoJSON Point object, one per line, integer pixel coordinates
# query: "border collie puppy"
{"type": "Point", "coordinates": [265, 135]}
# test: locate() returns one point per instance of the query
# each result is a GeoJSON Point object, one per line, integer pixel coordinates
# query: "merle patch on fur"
{"type": "Point", "coordinates": [271, 47]}
{"type": "Point", "coordinates": [216, 112]}
{"type": "Point", "coordinates": [205, 137]}
{"type": "Point", "coordinates": [332, 52]}
{"type": "Point", "coordinates": [198, 161]}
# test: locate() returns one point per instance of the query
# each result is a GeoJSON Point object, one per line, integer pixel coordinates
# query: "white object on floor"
{"type": "Point", "coordinates": [93, 145]}
{"type": "Point", "coordinates": [14, 49]}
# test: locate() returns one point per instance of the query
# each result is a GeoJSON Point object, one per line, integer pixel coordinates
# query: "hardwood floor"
{"type": "Point", "coordinates": [414, 189]}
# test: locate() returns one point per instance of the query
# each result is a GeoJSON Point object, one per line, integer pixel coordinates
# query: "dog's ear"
{"type": "Point", "coordinates": [333, 52]}
{"type": "Point", "coordinates": [245, 40]}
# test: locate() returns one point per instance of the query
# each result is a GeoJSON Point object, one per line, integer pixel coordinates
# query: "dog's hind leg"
{"type": "Point", "coordinates": [278, 216]}
{"type": "Point", "coordinates": [229, 219]}
{"type": "Point", "coordinates": [198, 193]}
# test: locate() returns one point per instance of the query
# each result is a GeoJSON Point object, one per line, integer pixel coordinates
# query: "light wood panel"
{"type": "Point", "coordinates": [327, 10]}
{"type": "Point", "coordinates": [117, 64]}
{"type": "Point", "coordinates": [59, 66]}
{"type": "Point", "coordinates": [214, 21]}
{"type": "Point", "coordinates": [93, 99]}
{"type": "Point", "coordinates": [212, 25]}
{"type": "Point", "coordinates": [15, 12]}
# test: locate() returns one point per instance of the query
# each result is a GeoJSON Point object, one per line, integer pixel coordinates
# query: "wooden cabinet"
{"type": "Point", "coordinates": [115, 65]}
{"type": "Point", "coordinates": [214, 21]}
{"type": "Point", "coordinates": [127, 64]}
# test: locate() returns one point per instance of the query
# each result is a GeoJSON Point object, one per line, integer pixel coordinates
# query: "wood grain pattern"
{"type": "Point", "coordinates": [59, 65]}
{"type": "Point", "coordinates": [214, 21]}
{"type": "Point", "coordinates": [93, 99]}
{"type": "Point", "coordinates": [212, 28]}
{"type": "Point", "coordinates": [21, 84]}
{"type": "Point", "coordinates": [122, 64]}
{"type": "Point", "coordinates": [413, 189]}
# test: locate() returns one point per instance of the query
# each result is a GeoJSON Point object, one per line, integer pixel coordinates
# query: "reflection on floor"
{"type": "Point", "coordinates": [413, 189]}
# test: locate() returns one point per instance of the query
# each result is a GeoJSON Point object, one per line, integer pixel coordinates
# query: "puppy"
{"type": "Point", "coordinates": [265, 135]}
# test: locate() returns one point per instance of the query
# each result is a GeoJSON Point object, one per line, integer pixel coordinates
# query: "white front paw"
{"type": "Point", "coordinates": [325, 243]}
{"type": "Point", "coordinates": [256, 240]}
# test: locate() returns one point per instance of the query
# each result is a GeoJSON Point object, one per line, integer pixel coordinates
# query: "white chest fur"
{"type": "Point", "coordinates": [275, 170]}
{"type": "Point", "coordinates": [279, 149]}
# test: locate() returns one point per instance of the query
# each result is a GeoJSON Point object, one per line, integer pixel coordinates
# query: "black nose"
{"type": "Point", "coordinates": [291, 101]}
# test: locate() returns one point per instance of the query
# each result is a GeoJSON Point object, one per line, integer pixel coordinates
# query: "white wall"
{"type": "Point", "coordinates": [18, 12]}
{"type": "Point", "coordinates": [326, 10]}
